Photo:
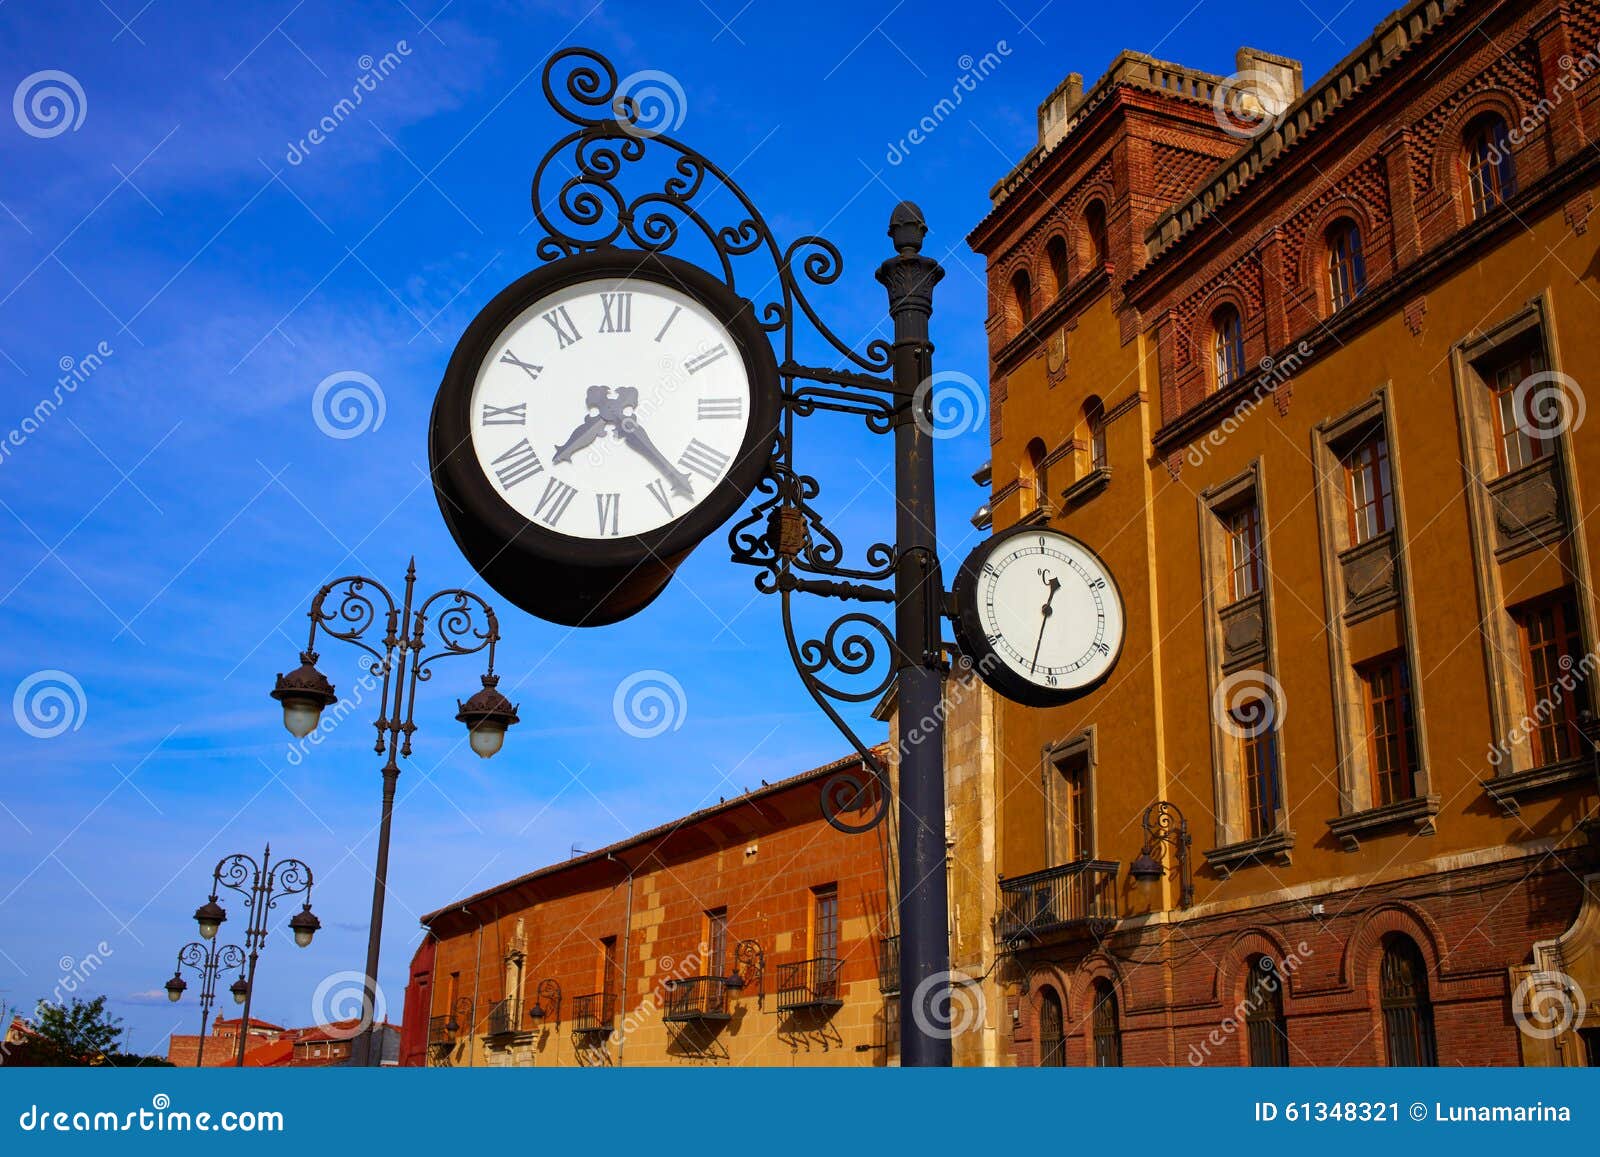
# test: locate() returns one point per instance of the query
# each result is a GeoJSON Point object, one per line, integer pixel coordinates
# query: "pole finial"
{"type": "Point", "coordinates": [907, 228]}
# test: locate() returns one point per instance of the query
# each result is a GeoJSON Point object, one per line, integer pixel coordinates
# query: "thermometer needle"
{"type": "Point", "coordinates": [1054, 584]}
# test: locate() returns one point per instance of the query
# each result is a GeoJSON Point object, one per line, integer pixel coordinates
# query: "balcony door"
{"type": "Point", "coordinates": [1069, 825]}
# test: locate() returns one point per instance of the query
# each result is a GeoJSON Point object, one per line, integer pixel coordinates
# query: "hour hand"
{"type": "Point", "coordinates": [633, 434]}
{"type": "Point", "coordinates": [589, 429]}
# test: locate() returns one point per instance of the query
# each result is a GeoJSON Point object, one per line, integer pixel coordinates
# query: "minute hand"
{"type": "Point", "coordinates": [633, 434]}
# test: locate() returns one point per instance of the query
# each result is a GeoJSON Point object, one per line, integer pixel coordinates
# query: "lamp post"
{"type": "Point", "coordinates": [601, 185]}
{"type": "Point", "coordinates": [402, 659]}
{"type": "Point", "coordinates": [1164, 824]}
{"type": "Point", "coordinates": [262, 885]}
{"type": "Point", "coordinates": [208, 960]}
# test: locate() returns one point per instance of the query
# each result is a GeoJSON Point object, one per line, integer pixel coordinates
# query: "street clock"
{"type": "Point", "coordinates": [1039, 615]}
{"type": "Point", "coordinates": [598, 419]}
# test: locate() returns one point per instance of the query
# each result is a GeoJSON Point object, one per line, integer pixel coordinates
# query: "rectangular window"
{"type": "Point", "coordinates": [1244, 549]}
{"type": "Point", "coordinates": [716, 942]}
{"type": "Point", "coordinates": [1370, 490]}
{"type": "Point", "coordinates": [608, 965]}
{"type": "Point", "coordinates": [1391, 734]}
{"type": "Point", "coordinates": [1072, 839]}
{"type": "Point", "coordinates": [825, 922]}
{"type": "Point", "coordinates": [1551, 653]}
{"type": "Point", "coordinates": [1258, 760]}
{"type": "Point", "coordinates": [1524, 430]}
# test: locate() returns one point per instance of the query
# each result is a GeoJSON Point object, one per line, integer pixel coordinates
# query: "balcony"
{"type": "Point", "coordinates": [889, 965]}
{"type": "Point", "coordinates": [697, 998]}
{"type": "Point", "coordinates": [1071, 898]}
{"type": "Point", "coordinates": [809, 984]}
{"type": "Point", "coordinates": [594, 1012]}
{"type": "Point", "coordinates": [439, 1032]}
{"type": "Point", "coordinates": [502, 1019]}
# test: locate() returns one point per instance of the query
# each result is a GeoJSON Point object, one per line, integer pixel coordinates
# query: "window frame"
{"type": "Point", "coordinates": [1564, 642]}
{"type": "Point", "coordinates": [1409, 1034]}
{"type": "Point", "coordinates": [1105, 1026]}
{"type": "Point", "coordinates": [1227, 345]}
{"type": "Point", "coordinates": [1521, 362]}
{"type": "Point", "coordinates": [1260, 770]}
{"type": "Point", "coordinates": [1387, 783]}
{"type": "Point", "coordinates": [1489, 183]}
{"type": "Point", "coordinates": [1266, 1026]}
{"type": "Point", "coordinates": [1247, 576]}
{"type": "Point", "coordinates": [1052, 1030]}
{"type": "Point", "coordinates": [1366, 461]}
{"type": "Point", "coordinates": [1346, 264]}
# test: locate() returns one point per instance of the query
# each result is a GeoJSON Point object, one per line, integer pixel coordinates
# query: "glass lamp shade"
{"type": "Point", "coordinates": [303, 692]}
{"type": "Point", "coordinates": [487, 715]}
{"type": "Point", "coordinates": [240, 990]}
{"type": "Point", "coordinates": [210, 916]}
{"type": "Point", "coordinates": [175, 988]}
{"type": "Point", "coordinates": [304, 925]}
{"type": "Point", "coordinates": [1146, 872]}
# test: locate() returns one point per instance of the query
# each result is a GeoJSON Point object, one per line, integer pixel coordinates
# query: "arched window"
{"type": "Point", "coordinates": [1347, 271]}
{"type": "Point", "coordinates": [1107, 1030]}
{"type": "Point", "coordinates": [1094, 420]}
{"type": "Point", "coordinates": [1052, 1031]}
{"type": "Point", "coordinates": [1407, 1012]}
{"type": "Point", "coordinates": [1227, 345]}
{"type": "Point", "coordinates": [1022, 297]}
{"type": "Point", "coordinates": [1263, 1017]}
{"type": "Point", "coordinates": [1094, 234]}
{"type": "Point", "coordinates": [1055, 253]}
{"type": "Point", "coordinates": [1486, 152]}
{"type": "Point", "coordinates": [1033, 484]}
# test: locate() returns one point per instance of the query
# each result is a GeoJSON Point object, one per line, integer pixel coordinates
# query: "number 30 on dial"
{"type": "Point", "coordinates": [1040, 616]}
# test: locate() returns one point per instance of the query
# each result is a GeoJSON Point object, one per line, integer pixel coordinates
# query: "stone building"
{"type": "Point", "coordinates": [1306, 366]}
{"type": "Point", "coordinates": [749, 932]}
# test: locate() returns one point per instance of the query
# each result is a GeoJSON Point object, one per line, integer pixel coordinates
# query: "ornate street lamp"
{"type": "Point", "coordinates": [546, 1002]}
{"type": "Point", "coordinates": [262, 885]}
{"type": "Point", "coordinates": [401, 657]}
{"type": "Point", "coordinates": [1164, 824]}
{"type": "Point", "coordinates": [208, 960]}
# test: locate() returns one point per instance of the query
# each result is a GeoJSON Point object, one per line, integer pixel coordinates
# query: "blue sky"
{"type": "Point", "coordinates": [163, 529]}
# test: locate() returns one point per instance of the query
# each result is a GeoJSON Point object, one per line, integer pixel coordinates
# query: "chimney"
{"type": "Point", "coordinates": [1058, 108]}
{"type": "Point", "coordinates": [1274, 82]}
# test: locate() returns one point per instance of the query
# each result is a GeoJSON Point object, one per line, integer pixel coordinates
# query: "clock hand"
{"type": "Point", "coordinates": [633, 434]}
{"type": "Point", "coordinates": [1044, 619]}
{"type": "Point", "coordinates": [590, 428]}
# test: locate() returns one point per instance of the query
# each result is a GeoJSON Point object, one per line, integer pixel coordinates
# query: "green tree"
{"type": "Point", "coordinates": [79, 1033]}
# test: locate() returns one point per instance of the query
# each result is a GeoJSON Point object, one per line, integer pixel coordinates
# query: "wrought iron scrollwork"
{"type": "Point", "coordinates": [619, 180]}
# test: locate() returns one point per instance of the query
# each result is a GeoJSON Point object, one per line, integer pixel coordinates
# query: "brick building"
{"type": "Point", "coordinates": [271, 1045]}
{"type": "Point", "coordinates": [749, 932]}
{"type": "Point", "coordinates": [1306, 367]}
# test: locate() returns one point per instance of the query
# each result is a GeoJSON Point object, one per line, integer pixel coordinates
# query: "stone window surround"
{"type": "Point", "coordinates": [1329, 440]}
{"type": "Point", "coordinates": [1082, 745]}
{"type": "Point", "coordinates": [1502, 648]}
{"type": "Point", "coordinates": [1232, 850]}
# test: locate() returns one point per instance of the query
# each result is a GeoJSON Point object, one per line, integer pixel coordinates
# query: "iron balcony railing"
{"type": "Point", "coordinates": [1073, 896]}
{"type": "Point", "coordinates": [502, 1018]}
{"type": "Point", "coordinates": [697, 998]}
{"type": "Point", "coordinates": [439, 1031]}
{"type": "Point", "coordinates": [593, 1012]}
{"type": "Point", "coordinates": [809, 984]}
{"type": "Point", "coordinates": [889, 965]}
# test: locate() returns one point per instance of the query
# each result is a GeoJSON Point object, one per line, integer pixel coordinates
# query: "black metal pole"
{"type": "Point", "coordinates": [919, 593]}
{"type": "Point", "coordinates": [255, 935]}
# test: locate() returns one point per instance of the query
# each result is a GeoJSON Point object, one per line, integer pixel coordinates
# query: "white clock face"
{"type": "Point", "coordinates": [610, 408]}
{"type": "Point", "coordinates": [1050, 610]}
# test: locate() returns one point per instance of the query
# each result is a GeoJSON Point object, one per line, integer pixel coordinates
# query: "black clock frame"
{"type": "Point", "coordinates": [974, 640]}
{"type": "Point", "coordinates": [577, 581]}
